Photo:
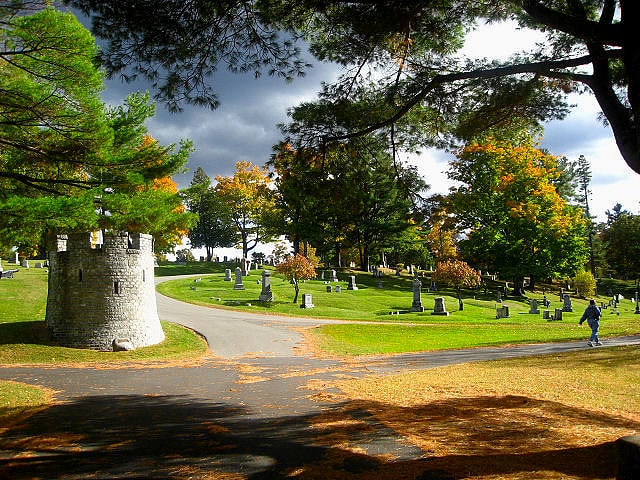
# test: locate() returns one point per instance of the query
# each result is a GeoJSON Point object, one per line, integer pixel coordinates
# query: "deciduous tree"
{"type": "Point", "coordinates": [248, 197]}
{"type": "Point", "coordinates": [517, 223]}
{"type": "Point", "coordinates": [457, 274]}
{"type": "Point", "coordinates": [296, 268]}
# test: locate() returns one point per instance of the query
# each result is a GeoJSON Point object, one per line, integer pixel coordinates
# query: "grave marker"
{"type": "Point", "coordinates": [439, 307]}
{"type": "Point", "coordinates": [238, 285]}
{"type": "Point", "coordinates": [266, 295]}
{"type": "Point", "coordinates": [416, 306]}
{"type": "Point", "coordinates": [307, 301]}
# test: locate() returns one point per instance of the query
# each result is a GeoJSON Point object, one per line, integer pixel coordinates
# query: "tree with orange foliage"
{"type": "Point", "coordinates": [296, 268]}
{"type": "Point", "coordinates": [457, 274]}
{"type": "Point", "coordinates": [250, 199]}
{"type": "Point", "coordinates": [517, 222]}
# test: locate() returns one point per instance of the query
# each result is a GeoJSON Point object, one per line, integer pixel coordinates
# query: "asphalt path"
{"type": "Point", "coordinates": [235, 334]}
{"type": "Point", "coordinates": [248, 409]}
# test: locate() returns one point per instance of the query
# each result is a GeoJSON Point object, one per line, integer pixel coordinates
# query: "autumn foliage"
{"type": "Point", "coordinates": [516, 221]}
{"type": "Point", "coordinates": [457, 274]}
{"type": "Point", "coordinates": [296, 268]}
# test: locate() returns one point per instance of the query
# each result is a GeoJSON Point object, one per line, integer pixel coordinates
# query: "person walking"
{"type": "Point", "coordinates": [592, 315]}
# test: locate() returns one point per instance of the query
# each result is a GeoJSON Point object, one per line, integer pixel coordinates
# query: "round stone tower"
{"type": "Point", "coordinates": [101, 293]}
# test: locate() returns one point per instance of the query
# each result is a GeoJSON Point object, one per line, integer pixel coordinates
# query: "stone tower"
{"type": "Point", "coordinates": [101, 293]}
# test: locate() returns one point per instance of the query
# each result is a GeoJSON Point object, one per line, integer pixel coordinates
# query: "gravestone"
{"type": "Point", "coordinates": [352, 283]}
{"type": "Point", "coordinates": [25, 263]}
{"type": "Point", "coordinates": [567, 306]}
{"type": "Point", "coordinates": [328, 288]}
{"type": "Point", "coordinates": [546, 314]}
{"type": "Point", "coordinates": [322, 275]}
{"type": "Point", "coordinates": [332, 276]}
{"type": "Point", "coordinates": [416, 306]}
{"type": "Point", "coordinates": [502, 312]}
{"type": "Point", "coordinates": [546, 302]}
{"type": "Point", "coordinates": [439, 307]}
{"type": "Point", "coordinates": [39, 265]}
{"type": "Point", "coordinates": [557, 314]}
{"type": "Point", "coordinates": [266, 295]}
{"type": "Point", "coordinates": [534, 307]}
{"type": "Point", "coordinates": [17, 262]}
{"type": "Point", "coordinates": [337, 289]}
{"type": "Point", "coordinates": [227, 275]}
{"type": "Point", "coordinates": [238, 285]}
{"type": "Point", "coordinates": [307, 301]}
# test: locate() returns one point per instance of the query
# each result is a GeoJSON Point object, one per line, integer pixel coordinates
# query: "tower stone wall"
{"type": "Point", "coordinates": [101, 293]}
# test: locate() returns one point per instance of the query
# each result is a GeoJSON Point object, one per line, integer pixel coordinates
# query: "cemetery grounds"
{"type": "Point", "coordinates": [563, 411]}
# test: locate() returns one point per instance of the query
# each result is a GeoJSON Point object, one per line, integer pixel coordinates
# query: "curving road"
{"type": "Point", "coordinates": [235, 334]}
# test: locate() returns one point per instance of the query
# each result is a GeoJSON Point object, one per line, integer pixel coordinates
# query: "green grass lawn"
{"type": "Point", "coordinates": [402, 330]}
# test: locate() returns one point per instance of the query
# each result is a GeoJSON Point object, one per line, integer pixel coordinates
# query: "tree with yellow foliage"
{"type": "Point", "coordinates": [517, 222]}
{"type": "Point", "coordinates": [250, 199]}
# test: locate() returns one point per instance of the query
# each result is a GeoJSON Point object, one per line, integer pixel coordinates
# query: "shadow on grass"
{"type": "Point", "coordinates": [32, 333]}
{"type": "Point", "coordinates": [177, 437]}
{"type": "Point", "coordinates": [192, 268]}
{"type": "Point", "coordinates": [255, 303]}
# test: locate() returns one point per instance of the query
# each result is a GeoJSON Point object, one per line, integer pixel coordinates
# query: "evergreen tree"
{"type": "Point", "coordinates": [215, 226]}
{"type": "Point", "coordinates": [403, 67]}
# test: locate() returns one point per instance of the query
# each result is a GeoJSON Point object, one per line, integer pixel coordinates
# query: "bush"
{"type": "Point", "coordinates": [585, 284]}
{"type": "Point", "coordinates": [185, 256]}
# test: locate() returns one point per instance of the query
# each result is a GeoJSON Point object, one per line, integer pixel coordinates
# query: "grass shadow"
{"type": "Point", "coordinates": [137, 436]}
{"type": "Point", "coordinates": [30, 333]}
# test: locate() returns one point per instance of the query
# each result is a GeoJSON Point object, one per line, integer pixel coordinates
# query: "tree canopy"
{"type": "Point", "coordinates": [402, 72]}
{"type": "Point", "coordinates": [350, 195]}
{"type": "Point", "coordinates": [514, 219]}
{"type": "Point", "coordinates": [215, 227]}
{"type": "Point", "coordinates": [250, 202]}
{"type": "Point", "coordinates": [67, 162]}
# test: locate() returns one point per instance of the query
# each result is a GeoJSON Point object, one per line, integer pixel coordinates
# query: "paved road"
{"type": "Point", "coordinates": [250, 409]}
{"type": "Point", "coordinates": [234, 334]}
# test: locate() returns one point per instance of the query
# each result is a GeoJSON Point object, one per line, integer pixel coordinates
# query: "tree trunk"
{"type": "Point", "coordinates": [365, 258]}
{"type": "Point", "coordinates": [297, 289]}
{"type": "Point", "coordinates": [532, 283]}
{"type": "Point", "coordinates": [518, 289]}
{"type": "Point", "coordinates": [460, 304]}
{"type": "Point", "coordinates": [245, 245]}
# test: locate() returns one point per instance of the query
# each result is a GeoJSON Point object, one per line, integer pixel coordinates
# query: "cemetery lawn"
{"type": "Point", "coordinates": [23, 333]}
{"type": "Point", "coordinates": [402, 331]}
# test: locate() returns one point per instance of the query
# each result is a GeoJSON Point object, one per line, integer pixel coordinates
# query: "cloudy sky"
{"type": "Point", "coordinates": [244, 127]}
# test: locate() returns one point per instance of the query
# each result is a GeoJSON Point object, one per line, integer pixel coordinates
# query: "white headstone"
{"type": "Point", "coordinates": [307, 301]}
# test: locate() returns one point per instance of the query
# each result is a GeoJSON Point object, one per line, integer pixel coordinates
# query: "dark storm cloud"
{"type": "Point", "coordinates": [243, 127]}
